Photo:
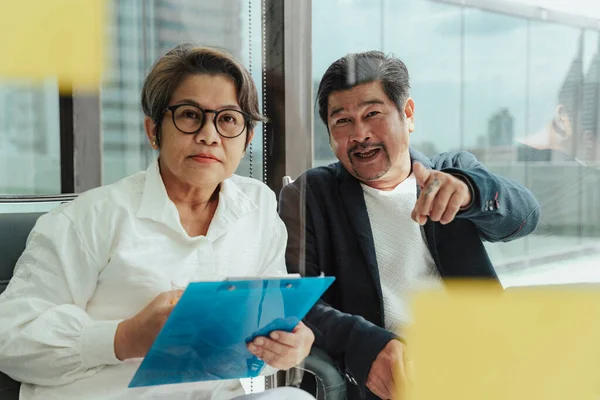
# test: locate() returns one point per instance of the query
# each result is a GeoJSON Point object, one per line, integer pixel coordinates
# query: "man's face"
{"type": "Point", "coordinates": [368, 134]}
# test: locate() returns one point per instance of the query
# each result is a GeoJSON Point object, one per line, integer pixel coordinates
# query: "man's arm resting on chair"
{"type": "Point", "coordinates": [351, 341]}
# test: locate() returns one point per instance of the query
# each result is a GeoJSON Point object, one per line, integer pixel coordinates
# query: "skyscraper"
{"type": "Point", "coordinates": [501, 129]}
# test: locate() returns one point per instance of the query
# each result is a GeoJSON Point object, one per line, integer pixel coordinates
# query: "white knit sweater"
{"type": "Point", "coordinates": [405, 263]}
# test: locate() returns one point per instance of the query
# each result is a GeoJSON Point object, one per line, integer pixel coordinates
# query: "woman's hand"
{"type": "Point", "coordinates": [135, 335]}
{"type": "Point", "coordinates": [284, 350]}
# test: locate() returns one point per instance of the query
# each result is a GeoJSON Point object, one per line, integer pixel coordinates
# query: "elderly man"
{"type": "Point", "coordinates": [386, 220]}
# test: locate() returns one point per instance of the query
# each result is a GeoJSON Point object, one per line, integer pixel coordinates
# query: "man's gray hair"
{"type": "Point", "coordinates": [358, 68]}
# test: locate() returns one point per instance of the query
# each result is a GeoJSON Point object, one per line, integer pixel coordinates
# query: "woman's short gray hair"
{"type": "Point", "coordinates": [187, 59]}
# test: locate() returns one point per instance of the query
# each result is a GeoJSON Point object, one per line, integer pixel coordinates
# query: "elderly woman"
{"type": "Point", "coordinates": [100, 275]}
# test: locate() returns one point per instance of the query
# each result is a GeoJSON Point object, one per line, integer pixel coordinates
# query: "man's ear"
{"type": "Point", "coordinates": [151, 132]}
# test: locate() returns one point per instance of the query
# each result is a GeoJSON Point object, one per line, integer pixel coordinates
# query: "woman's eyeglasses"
{"type": "Point", "coordinates": [190, 119]}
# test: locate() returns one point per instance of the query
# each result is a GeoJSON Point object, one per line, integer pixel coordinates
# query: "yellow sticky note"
{"type": "Point", "coordinates": [472, 343]}
{"type": "Point", "coordinates": [53, 38]}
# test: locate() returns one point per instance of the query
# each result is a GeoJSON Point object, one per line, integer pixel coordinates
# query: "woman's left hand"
{"type": "Point", "coordinates": [284, 350]}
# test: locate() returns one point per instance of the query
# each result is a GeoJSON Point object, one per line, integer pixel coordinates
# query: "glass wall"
{"type": "Point", "coordinates": [139, 33]}
{"type": "Point", "coordinates": [29, 137]}
{"type": "Point", "coordinates": [429, 44]}
{"type": "Point", "coordinates": [522, 94]}
{"type": "Point", "coordinates": [495, 78]}
{"type": "Point", "coordinates": [495, 99]}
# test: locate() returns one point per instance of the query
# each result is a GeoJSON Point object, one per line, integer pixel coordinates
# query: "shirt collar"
{"type": "Point", "coordinates": [157, 206]}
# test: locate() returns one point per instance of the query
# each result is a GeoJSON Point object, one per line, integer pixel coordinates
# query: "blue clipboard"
{"type": "Point", "coordinates": [206, 334]}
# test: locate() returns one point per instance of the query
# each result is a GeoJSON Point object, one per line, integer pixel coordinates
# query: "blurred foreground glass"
{"type": "Point", "coordinates": [45, 46]}
{"type": "Point", "coordinates": [502, 338]}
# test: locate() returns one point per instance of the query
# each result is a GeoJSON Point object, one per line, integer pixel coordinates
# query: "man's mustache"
{"type": "Point", "coordinates": [362, 147]}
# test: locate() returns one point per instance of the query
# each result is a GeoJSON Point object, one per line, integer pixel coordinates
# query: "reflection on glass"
{"type": "Point", "coordinates": [142, 31]}
{"type": "Point", "coordinates": [556, 79]}
{"type": "Point", "coordinates": [29, 138]}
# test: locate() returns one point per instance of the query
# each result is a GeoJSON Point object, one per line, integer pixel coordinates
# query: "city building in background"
{"type": "Point", "coordinates": [500, 128]}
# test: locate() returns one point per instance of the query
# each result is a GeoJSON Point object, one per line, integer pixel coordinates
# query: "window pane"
{"type": "Point", "coordinates": [140, 32]}
{"type": "Point", "coordinates": [495, 79]}
{"type": "Point", "coordinates": [428, 41]}
{"type": "Point", "coordinates": [495, 105]}
{"type": "Point", "coordinates": [556, 152]}
{"type": "Point", "coordinates": [29, 137]}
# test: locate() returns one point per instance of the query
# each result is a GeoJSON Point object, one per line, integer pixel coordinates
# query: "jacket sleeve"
{"type": "Point", "coordinates": [350, 340]}
{"type": "Point", "coordinates": [46, 336]}
{"type": "Point", "coordinates": [502, 210]}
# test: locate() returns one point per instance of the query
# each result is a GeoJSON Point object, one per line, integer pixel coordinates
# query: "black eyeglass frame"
{"type": "Point", "coordinates": [247, 118]}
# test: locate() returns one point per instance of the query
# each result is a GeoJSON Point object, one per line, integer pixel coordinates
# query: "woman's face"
{"type": "Point", "coordinates": [205, 158]}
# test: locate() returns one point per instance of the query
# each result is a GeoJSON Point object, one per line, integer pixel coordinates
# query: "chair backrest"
{"type": "Point", "coordinates": [14, 229]}
{"type": "Point", "coordinates": [16, 226]}
{"type": "Point", "coordinates": [286, 180]}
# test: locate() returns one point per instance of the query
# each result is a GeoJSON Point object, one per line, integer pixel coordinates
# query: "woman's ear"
{"type": "Point", "coordinates": [151, 132]}
{"type": "Point", "coordinates": [248, 140]}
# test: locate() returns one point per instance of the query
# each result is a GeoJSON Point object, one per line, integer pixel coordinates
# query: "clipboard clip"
{"type": "Point", "coordinates": [287, 284]}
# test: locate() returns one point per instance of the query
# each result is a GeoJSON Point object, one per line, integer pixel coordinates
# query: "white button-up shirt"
{"type": "Point", "coordinates": [91, 263]}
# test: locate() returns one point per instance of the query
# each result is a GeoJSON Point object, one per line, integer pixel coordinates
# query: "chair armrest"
{"type": "Point", "coordinates": [331, 385]}
{"type": "Point", "coordinates": [9, 389]}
